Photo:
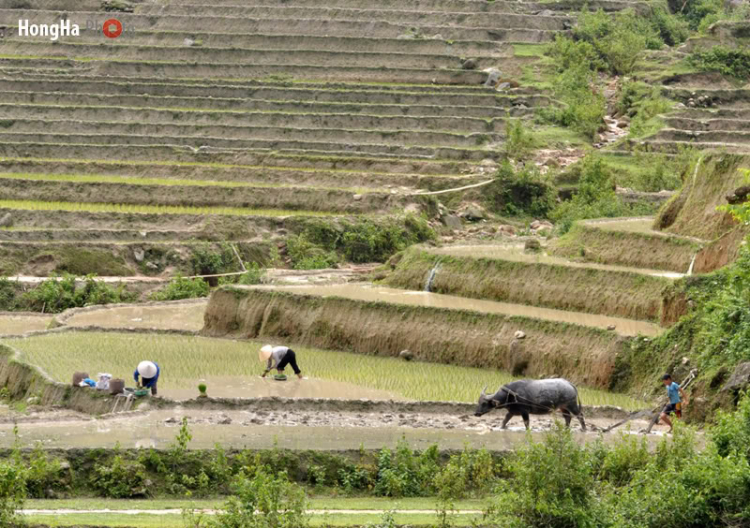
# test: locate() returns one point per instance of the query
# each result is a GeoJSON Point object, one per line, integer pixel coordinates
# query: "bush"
{"type": "Point", "coordinates": [253, 275]}
{"type": "Point", "coordinates": [181, 288]}
{"type": "Point", "coordinates": [306, 255]}
{"type": "Point", "coordinates": [406, 473]}
{"type": "Point", "coordinates": [643, 104]}
{"type": "Point", "coordinates": [521, 193]}
{"type": "Point", "coordinates": [43, 474]}
{"type": "Point", "coordinates": [57, 295]}
{"type": "Point", "coordinates": [8, 294]}
{"type": "Point", "coordinates": [519, 141]}
{"type": "Point", "coordinates": [551, 485]}
{"type": "Point", "coordinates": [12, 494]}
{"type": "Point", "coordinates": [594, 198]}
{"type": "Point", "coordinates": [264, 499]}
{"type": "Point", "coordinates": [119, 479]}
{"type": "Point", "coordinates": [733, 62]}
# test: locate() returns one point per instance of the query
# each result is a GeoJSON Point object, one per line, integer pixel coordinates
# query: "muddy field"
{"type": "Point", "coordinates": [14, 324]}
{"type": "Point", "coordinates": [285, 427]}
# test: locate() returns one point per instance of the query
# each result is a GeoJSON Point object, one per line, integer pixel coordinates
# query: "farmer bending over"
{"type": "Point", "coordinates": [279, 357]}
{"type": "Point", "coordinates": [149, 373]}
{"type": "Point", "coordinates": [676, 397]}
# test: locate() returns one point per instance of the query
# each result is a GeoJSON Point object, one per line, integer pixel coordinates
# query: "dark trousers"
{"type": "Point", "coordinates": [290, 358]}
{"type": "Point", "coordinates": [153, 387]}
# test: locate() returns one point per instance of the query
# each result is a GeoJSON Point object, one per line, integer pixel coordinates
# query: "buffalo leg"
{"type": "Point", "coordinates": [508, 416]}
{"type": "Point", "coordinates": [525, 417]}
{"type": "Point", "coordinates": [576, 410]}
{"type": "Point", "coordinates": [566, 414]}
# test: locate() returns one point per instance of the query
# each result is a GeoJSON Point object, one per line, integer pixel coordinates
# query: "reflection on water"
{"type": "Point", "coordinates": [515, 253]}
{"type": "Point", "coordinates": [369, 292]}
{"type": "Point", "coordinates": [178, 316]}
{"type": "Point", "coordinates": [293, 387]}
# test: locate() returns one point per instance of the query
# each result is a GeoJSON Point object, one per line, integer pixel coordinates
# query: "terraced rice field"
{"type": "Point", "coordinates": [273, 110]}
{"type": "Point", "coordinates": [186, 361]}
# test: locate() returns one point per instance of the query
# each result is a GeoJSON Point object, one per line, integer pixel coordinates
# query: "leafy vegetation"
{"type": "Point", "coordinates": [324, 244]}
{"type": "Point", "coordinates": [522, 192]}
{"type": "Point", "coordinates": [733, 62]}
{"type": "Point", "coordinates": [181, 288]}
{"type": "Point", "coordinates": [519, 141]}
{"type": "Point", "coordinates": [55, 295]}
{"type": "Point", "coordinates": [642, 104]}
{"type": "Point", "coordinates": [594, 197]}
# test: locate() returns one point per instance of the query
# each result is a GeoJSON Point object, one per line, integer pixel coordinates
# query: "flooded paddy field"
{"type": "Point", "coordinates": [370, 292]}
{"type": "Point", "coordinates": [21, 323]}
{"type": "Point", "coordinates": [230, 368]}
{"type": "Point", "coordinates": [187, 316]}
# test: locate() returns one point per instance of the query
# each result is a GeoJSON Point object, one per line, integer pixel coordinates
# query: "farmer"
{"type": "Point", "coordinates": [149, 374]}
{"type": "Point", "coordinates": [676, 397]}
{"type": "Point", "coordinates": [279, 357]}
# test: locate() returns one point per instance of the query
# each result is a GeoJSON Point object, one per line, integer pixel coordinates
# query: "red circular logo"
{"type": "Point", "coordinates": [112, 28]}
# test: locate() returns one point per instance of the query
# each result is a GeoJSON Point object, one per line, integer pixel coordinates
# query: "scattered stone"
{"type": "Point", "coordinates": [507, 230]}
{"type": "Point", "coordinates": [224, 420]}
{"type": "Point", "coordinates": [469, 64]}
{"type": "Point", "coordinates": [611, 327]}
{"type": "Point", "coordinates": [685, 361]}
{"type": "Point", "coordinates": [740, 378]}
{"type": "Point", "coordinates": [151, 265]}
{"type": "Point", "coordinates": [520, 334]}
{"type": "Point", "coordinates": [503, 86]}
{"type": "Point", "coordinates": [139, 255]}
{"type": "Point", "coordinates": [357, 197]}
{"type": "Point", "coordinates": [451, 222]}
{"type": "Point", "coordinates": [33, 400]}
{"type": "Point", "coordinates": [546, 12]}
{"type": "Point", "coordinates": [493, 75]}
{"type": "Point", "coordinates": [532, 245]}
{"type": "Point", "coordinates": [535, 224]}
{"type": "Point", "coordinates": [474, 214]}
{"type": "Point", "coordinates": [406, 355]}
{"type": "Point", "coordinates": [6, 220]}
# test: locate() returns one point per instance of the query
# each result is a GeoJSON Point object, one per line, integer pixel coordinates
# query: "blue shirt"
{"type": "Point", "coordinates": [148, 382]}
{"type": "Point", "coordinates": [674, 393]}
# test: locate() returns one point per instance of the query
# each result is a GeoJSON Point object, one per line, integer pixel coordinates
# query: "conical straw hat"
{"type": "Point", "coordinates": [265, 353]}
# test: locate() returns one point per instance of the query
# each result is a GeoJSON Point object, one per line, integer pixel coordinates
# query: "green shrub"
{"type": "Point", "coordinates": [12, 494]}
{"type": "Point", "coordinates": [119, 479]}
{"type": "Point", "coordinates": [733, 62]}
{"type": "Point", "coordinates": [521, 193]}
{"type": "Point", "coordinates": [643, 104]}
{"type": "Point", "coordinates": [406, 473]}
{"type": "Point", "coordinates": [253, 275]}
{"type": "Point", "coordinates": [57, 295]}
{"type": "Point", "coordinates": [308, 255]}
{"type": "Point", "coordinates": [519, 141]}
{"type": "Point", "coordinates": [551, 485]}
{"type": "Point", "coordinates": [263, 499]}
{"type": "Point", "coordinates": [205, 260]}
{"type": "Point", "coordinates": [181, 288]}
{"type": "Point", "coordinates": [471, 470]}
{"type": "Point", "coordinates": [8, 294]}
{"type": "Point", "coordinates": [43, 474]}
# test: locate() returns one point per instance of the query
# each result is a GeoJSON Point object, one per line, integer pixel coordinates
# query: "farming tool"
{"type": "Point", "coordinates": [653, 413]}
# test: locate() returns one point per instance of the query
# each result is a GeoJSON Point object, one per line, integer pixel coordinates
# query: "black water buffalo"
{"type": "Point", "coordinates": [527, 397]}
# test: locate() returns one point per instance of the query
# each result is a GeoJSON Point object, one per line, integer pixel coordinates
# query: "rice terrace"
{"type": "Point", "coordinates": [424, 263]}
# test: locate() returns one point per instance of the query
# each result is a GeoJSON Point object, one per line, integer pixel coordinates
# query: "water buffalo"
{"type": "Point", "coordinates": [527, 397]}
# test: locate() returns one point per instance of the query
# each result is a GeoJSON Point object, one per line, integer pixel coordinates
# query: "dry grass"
{"type": "Point", "coordinates": [185, 360]}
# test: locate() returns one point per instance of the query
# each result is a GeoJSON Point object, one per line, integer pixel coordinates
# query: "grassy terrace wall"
{"type": "Point", "coordinates": [620, 294]}
{"type": "Point", "coordinates": [693, 211]}
{"type": "Point", "coordinates": [25, 381]}
{"type": "Point", "coordinates": [581, 354]}
{"type": "Point", "coordinates": [627, 248]}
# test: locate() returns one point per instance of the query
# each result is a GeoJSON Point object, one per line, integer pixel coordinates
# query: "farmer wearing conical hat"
{"type": "Point", "coordinates": [279, 357]}
{"type": "Point", "coordinates": [149, 374]}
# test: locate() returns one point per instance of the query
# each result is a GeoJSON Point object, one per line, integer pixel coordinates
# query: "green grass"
{"type": "Point", "coordinates": [175, 521]}
{"type": "Point", "coordinates": [188, 359]}
{"type": "Point", "coordinates": [529, 50]}
{"type": "Point", "coordinates": [29, 205]}
{"type": "Point", "coordinates": [134, 180]}
{"type": "Point", "coordinates": [315, 503]}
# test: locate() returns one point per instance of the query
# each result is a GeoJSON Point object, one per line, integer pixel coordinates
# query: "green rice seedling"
{"type": "Point", "coordinates": [187, 359]}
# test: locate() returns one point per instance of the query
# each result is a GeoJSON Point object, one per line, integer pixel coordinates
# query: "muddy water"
{"type": "Point", "coordinates": [12, 324]}
{"type": "Point", "coordinates": [369, 292]}
{"type": "Point", "coordinates": [515, 253]}
{"type": "Point", "coordinates": [256, 387]}
{"type": "Point", "coordinates": [183, 316]}
{"type": "Point", "coordinates": [288, 428]}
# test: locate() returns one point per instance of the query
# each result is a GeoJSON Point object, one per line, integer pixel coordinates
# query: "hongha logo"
{"type": "Point", "coordinates": [111, 28]}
